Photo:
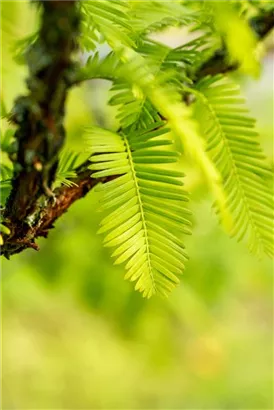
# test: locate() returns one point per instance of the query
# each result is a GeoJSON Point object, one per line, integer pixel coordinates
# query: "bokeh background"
{"type": "Point", "coordinates": [76, 336]}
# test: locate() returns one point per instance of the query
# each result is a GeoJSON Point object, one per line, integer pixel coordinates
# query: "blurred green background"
{"type": "Point", "coordinates": [76, 336]}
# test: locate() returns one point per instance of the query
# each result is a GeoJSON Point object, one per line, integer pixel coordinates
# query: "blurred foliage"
{"type": "Point", "coordinates": [76, 336]}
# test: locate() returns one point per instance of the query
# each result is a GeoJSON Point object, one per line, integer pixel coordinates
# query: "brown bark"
{"type": "Point", "coordinates": [39, 116]}
{"type": "Point", "coordinates": [23, 235]}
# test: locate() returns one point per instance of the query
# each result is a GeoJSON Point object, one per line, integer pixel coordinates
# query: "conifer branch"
{"type": "Point", "coordinates": [32, 208]}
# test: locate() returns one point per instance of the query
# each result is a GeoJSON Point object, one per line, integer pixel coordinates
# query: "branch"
{"type": "Point", "coordinates": [261, 25]}
{"type": "Point", "coordinates": [23, 236]}
{"type": "Point", "coordinates": [39, 115]}
{"type": "Point", "coordinates": [40, 134]}
{"type": "Point", "coordinates": [32, 208]}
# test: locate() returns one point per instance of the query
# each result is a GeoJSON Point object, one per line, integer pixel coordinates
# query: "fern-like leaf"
{"type": "Point", "coordinates": [66, 168]}
{"type": "Point", "coordinates": [163, 100]}
{"type": "Point", "coordinates": [233, 145]}
{"type": "Point", "coordinates": [146, 198]}
{"type": "Point", "coordinates": [153, 16]}
{"type": "Point", "coordinates": [168, 66]}
{"type": "Point", "coordinates": [5, 182]}
{"type": "Point", "coordinates": [110, 19]}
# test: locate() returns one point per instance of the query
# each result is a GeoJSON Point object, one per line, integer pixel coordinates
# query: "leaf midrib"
{"type": "Point", "coordinates": [131, 163]}
{"type": "Point", "coordinates": [235, 171]}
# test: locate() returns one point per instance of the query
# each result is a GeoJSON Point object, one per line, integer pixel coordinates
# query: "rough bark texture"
{"type": "Point", "coordinates": [23, 235]}
{"type": "Point", "coordinates": [40, 134]}
{"type": "Point", "coordinates": [39, 115]}
{"type": "Point", "coordinates": [32, 207]}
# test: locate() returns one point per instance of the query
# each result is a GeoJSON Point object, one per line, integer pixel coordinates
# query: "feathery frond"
{"type": "Point", "coordinates": [105, 68]}
{"type": "Point", "coordinates": [148, 97]}
{"type": "Point", "coordinates": [168, 101]}
{"type": "Point", "coordinates": [151, 83]}
{"type": "Point", "coordinates": [169, 66]}
{"type": "Point", "coordinates": [111, 19]}
{"type": "Point", "coordinates": [152, 16]}
{"type": "Point", "coordinates": [233, 145]}
{"type": "Point", "coordinates": [148, 219]}
{"type": "Point", "coordinates": [66, 168]}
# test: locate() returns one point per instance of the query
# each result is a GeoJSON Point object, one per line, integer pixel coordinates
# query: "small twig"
{"type": "Point", "coordinates": [261, 25]}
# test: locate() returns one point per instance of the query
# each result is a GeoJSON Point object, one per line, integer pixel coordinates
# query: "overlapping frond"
{"type": "Point", "coordinates": [134, 108]}
{"type": "Point", "coordinates": [66, 168]}
{"type": "Point", "coordinates": [179, 58]}
{"type": "Point", "coordinates": [144, 196]}
{"type": "Point", "coordinates": [110, 19]}
{"type": "Point", "coordinates": [5, 182]}
{"type": "Point", "coordinates": [167, 100]}
{"type": "Point", "coordinates": [149, 17]}
{"type": "Point", "coordinates": [145, 203]}
{"type": "Point", "coordinates": [169, 66]}
{"type": "Point", "coordinates": [233, 145]}
{"type": "Point", "coordinates": [149, 96]}
{"type": "Point", "coordinates": [105, 68]}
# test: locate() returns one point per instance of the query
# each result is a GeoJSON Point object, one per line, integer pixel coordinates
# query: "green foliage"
{"type": "Point", "coordinates": [66, 165]}
{"type": "Point", "coordinates": [233, 145]}
{"type": "Point", "coordinates": [105, 20]}
{"type": "Point", "coordinates": [151, 17]}
{"type": "Point", "coordinates": [148, 218]}
{"type": "Point", "coordinates": [6, 142]}
{"type": "Point", "coordinates": [5, 185]}
{"type": "Point", "coordinates": [146, 98]}
{"type": "Point", "coordinates": [233, 28]}
{"type": "Point", "coordinates": [153, 86]}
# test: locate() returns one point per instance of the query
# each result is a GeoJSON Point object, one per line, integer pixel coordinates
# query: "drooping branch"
{"type": "Point", "coordinates": [32, 208]}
